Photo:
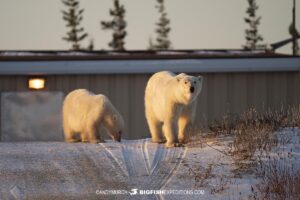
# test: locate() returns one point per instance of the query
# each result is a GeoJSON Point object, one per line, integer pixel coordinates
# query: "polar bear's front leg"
{"type": "Point", "coordinates": [84, 137]}
{"type": "Point", "coordinates": [183, 135]}
{"type": "Point", "coordinates": [169, 129]}
{"type": "Point", "coordinates": [185, 122]}
{"type": "Point", "coordinates": [91, 134]}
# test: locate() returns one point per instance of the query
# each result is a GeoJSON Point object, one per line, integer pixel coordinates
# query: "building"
{"type": "Point", "coordinates": [234, 80]}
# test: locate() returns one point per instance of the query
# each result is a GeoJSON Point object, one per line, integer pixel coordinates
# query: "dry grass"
{"type": "Point", "coordinates": [207, 177]}
{"type": "Point", "coordinates": [279, 180]}
{"type": "Point", "coordinates": [253, 132]}
{"type": "Point", "coordinates": [253, 138]}
{"type": "Point", "coordinates": [202, 174]}
{"type": "Point", "coordinates": [271, 119]}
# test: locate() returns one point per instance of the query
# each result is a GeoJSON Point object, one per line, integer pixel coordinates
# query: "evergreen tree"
{"type": "Point", "coordinates": [117, 25]}
{"type": "Point", "coordinates": [73, 17]}
{"type": "Point", "coordinates": [163, 29]}
{"type": "Point", "coordinates": [91, 45]}
{"type": "Point", "coordinates": [292, 31]}
{"type": "Point", "coordinates": [252, 36]}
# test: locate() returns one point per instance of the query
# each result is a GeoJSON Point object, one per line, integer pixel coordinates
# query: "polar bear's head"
{"type": "Point", "coordinates": [114, 125]}
{"type": "Point", "coordinates": [189, 87]}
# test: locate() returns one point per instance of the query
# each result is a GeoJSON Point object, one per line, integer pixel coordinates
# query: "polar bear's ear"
{"type": "Point", "coordinates": [200, 78]}
{"type": "Point", "coordinates": [180, 76]}
{"type": "Point", "coordinates": [115, 117]}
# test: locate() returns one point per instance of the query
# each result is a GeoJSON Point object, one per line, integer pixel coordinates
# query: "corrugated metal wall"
{"type": "Point", "coordinates": [222, 93]}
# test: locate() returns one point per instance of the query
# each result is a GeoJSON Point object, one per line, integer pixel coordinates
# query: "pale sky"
{"type": "Point", "coordinates": [196, 24]}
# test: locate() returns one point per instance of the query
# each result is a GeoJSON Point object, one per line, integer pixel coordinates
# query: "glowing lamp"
{"type": "Point", "coordinates": [36, 83]}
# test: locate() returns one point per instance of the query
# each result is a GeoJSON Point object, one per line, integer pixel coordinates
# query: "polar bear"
{"type": "Point", "coordinates": [170, 106]}
{"type": "Point", "coordinates": [85, 113]}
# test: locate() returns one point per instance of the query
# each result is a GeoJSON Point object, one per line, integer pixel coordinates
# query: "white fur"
{"type": "Point", "coordinates": [85, 113]}
{"type": "Point", "coordinates": [170, 105]}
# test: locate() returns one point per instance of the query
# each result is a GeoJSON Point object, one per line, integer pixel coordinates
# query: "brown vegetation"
{"type": "Point", "coordinates": [253, 137]}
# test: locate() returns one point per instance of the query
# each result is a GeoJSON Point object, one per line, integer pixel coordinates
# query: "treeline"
{"type": "Point", "coordinates": [73, 16]}
{"type": "Point", "coordinates": [117, 25]}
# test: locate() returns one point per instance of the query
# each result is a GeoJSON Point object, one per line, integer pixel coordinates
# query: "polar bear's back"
{"type": "Point", "coordinates": [78, 95]}
{"type": "Point", "coordinates": [161, 77]}
{"type": "Point", "coordinates": [78, 98]}
{"type": "Point", "coordinates": [78, 105]}
{"type": "Point", "coordinates": [155, 93]}
{"type": "Point", "coordinates": [157, 82]}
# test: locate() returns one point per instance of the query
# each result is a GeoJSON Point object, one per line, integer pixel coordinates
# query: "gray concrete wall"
{"type": "Point", "coordinates": [31, 116]}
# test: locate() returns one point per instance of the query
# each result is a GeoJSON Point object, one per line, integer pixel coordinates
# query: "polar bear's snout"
{"type": "Point", "coordinates": [118, 136]}
{"type": "Point", "coordinates": [192, 89]}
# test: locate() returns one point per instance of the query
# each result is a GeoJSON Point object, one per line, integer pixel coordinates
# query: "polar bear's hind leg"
{"type": "Point", "coordinates": [70, 136]}
{"type": "Point", "coordinates": [155, 126]}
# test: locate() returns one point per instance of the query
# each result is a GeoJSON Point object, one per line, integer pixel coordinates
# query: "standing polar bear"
{"type": "Point", "coordinates": [85, 113]}
{"type": "Point", "coordinates": [170, 106]}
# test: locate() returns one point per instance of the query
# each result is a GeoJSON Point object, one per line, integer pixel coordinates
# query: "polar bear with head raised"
{"type": "Point", "coordinates": [170, 106]}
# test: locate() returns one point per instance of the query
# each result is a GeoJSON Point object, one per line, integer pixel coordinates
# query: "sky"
{"type": "Point", "coordinates": [195, 24]}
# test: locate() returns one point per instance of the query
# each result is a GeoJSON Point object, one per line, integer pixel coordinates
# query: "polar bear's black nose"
{"type": "Point", "coordinates": [192, 89]}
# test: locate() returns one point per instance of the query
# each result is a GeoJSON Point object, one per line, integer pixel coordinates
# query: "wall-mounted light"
{"type": "Point", "coordinates": [36, 83]}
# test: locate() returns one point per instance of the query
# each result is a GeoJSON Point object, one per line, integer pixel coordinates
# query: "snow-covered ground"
{"type": "Point", "coordinates": [134, 169]}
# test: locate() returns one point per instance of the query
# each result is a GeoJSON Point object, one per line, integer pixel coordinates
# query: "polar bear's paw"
{"type": "Point", "coordinates": [169, 145]}
{"type": "Point", "coordinates": [72, 140]}
{"type": "Point", "coordinates": [183, 140]}
{"type": "Point", "coordinates": [159, 141]}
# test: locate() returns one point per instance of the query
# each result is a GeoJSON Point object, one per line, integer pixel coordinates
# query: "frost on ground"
{"type": "Point", "coordinates": [57, 170]}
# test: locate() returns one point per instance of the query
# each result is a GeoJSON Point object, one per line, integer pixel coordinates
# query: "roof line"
{"type": "Point", "coordinates": [149, 66]}
{"type": "Point", "coordinates": [133, 55]}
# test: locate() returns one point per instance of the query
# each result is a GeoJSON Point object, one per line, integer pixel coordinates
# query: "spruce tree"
{"type": "Point", "coordinates": [252, 36]}
{"type": "Point", "coordinates": [117, 25]}
{"type": "Point", "coordinates": [163, 29]}
{"type": "Point", "coordinates": [91, 45]}
{"type": "Point", "coordinates": [73, 17]}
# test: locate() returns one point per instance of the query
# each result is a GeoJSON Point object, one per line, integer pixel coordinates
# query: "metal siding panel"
{"type": "Point", "coordinates": [120, 98]}
{"type": "Point", "coordinates": [217, 96]}
{"type": "Point", "coordinates": [238, 93]}
{"type": "Point", "coordinates": [277, 90]}
{"type": "Point", "coordinates": [136, 102]}
{"type": "Point", "coordinates": [293, 88]}
{"type": "Point", "coordinates": [256, 86]}
{"type": "Point", "coordinates": [202, 105]}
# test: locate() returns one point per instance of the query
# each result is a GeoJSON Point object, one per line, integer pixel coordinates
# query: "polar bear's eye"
{"type": "Point", "coordinates": [185, 82]}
